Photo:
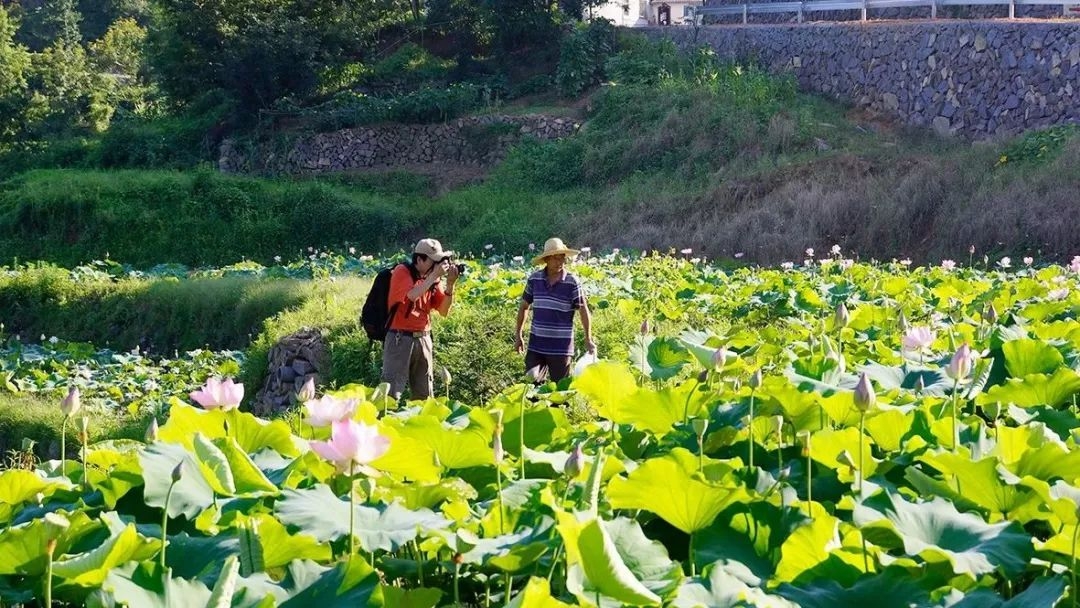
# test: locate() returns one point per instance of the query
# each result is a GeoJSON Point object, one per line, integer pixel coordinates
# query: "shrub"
{"type": "Point", "coordinates": [582, 56]}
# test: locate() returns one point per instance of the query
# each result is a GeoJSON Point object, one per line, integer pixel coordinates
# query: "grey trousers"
{"type": "Point", "coordinates": [407, 359]}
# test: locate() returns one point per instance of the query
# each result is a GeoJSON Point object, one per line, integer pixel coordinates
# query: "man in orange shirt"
{"type": "Point", "coordinates": [415, 291]}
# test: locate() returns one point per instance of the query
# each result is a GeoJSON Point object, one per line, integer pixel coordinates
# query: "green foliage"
{"type": "Point", "coordinates": [424, 105]}
{"type": "Point", "coordinates": [14, 68]}
{"type": "Point", "coordinates": [408, 67]}
{"type": "Point", "coordinates": [49, 23]}
{"type": "Point", "coordinates": [1037, 147]}
{"type": "Point", "coordinates": [38, 419]}
{"type": "Point", "coordinates": [158, 316]}
{"type": "Point", "coordinates": [582, 56]}
{"type": "Point", "coordinates": [258, 51]}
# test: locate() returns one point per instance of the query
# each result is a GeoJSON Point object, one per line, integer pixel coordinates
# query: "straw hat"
{"type": "Point", "coordinates": [432, 249]}
{"type": "Point", "coordinates": [554, 246]}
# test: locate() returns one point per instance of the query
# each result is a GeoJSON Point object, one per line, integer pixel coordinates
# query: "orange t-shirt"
{"type": "Point", "coordinates": [412, 316]}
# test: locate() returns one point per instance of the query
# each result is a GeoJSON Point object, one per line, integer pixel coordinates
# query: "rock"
{"type": "Point", "coordinates": [941, 125]}
{"type": "Point", "coordinates": [291, 361]}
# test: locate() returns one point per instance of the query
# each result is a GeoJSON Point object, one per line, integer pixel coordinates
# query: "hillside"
{"type": "Point", "coordinates": [677, 150]}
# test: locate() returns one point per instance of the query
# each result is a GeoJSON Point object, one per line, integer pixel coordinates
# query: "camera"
{"type": "Point", "coordinates": [461, 268]}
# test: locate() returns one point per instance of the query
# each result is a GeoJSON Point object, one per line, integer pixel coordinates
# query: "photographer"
{"type": "Point", "coordinates": [416, 290]}
{"type": "Point", "coordinates": [554, 294]}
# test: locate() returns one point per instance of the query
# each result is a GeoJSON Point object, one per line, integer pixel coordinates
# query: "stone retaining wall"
{"type": "Point", "coordinates": [476, 140]}
{"type": "Point", "coordinates": [974, 78]}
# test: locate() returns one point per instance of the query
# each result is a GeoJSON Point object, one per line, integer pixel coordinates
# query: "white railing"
{"type": "Point", "coordinates": [1068, 7]}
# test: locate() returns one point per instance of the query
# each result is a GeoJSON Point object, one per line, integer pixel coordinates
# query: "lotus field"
{"type": "Point", "coordinates": [821, 435]}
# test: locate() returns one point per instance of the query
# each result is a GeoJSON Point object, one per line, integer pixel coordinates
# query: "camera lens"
{"type": "Point", "coordinates": [460, 268]}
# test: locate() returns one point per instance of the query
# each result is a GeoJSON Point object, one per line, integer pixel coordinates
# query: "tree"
{"type": "Point", "coordinates": [45, 22]}
{"type": "Point", "coordinates": [14, 64]}
{"type": "Point", "coordinates": [258, 50]}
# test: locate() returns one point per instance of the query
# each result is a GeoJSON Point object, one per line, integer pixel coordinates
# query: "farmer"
{"type": "Point", "coordinates": [416, 289]}
{"type": "Point", "coordinates": [554, 294]}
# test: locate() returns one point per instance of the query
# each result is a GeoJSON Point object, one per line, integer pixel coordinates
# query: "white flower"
{"type": "Point", "coordinates": [277, 259]}
{"type": "Point", "coordinates": [489, 247]}
{"type": "Point", "coordinates": [846, 263]}
{"type": "Point", "coordinates": [53, 340]}
{"type": "Point", "coordinates": [787, 265]}
{"type": "Point", "coordinates": [695, 260]}
{"type": "Point", "coordinates": [532, 246]}
{"type": "Point", "coordinates": [836, 250]}
{"type": "Point", "coordinates": [808, 263]}
{"type": "Point", "coordinates": [310, 249]}
{"type": "Point", "coordinates": [686, 251]}
{"type": "Point", "coordinates": [615, 251]}
{"type": "Point", "coordinates": [1057, 294]}
{"type": "Point", "coordinates": [1028, 260]}
{"type": "Point", "coordinates": [1074, 265]}
{"type": "Point", "coordinates": [519, 259]}
{"type": "Point", "coordinates": [586, 249]}
{"type": "Point", "coordinates": [905, 262]}
{"type": "Point", "coordinates": [809, 252]}
{"type": "Point", "coordinates": [948, 265]}
{"type": "Point", "coordinates": [917, 338]}
{"type": "Point", "coordinates": [352, 250]}
{"type": "Point", "coordinates": [1005, 262]}
{"type": "Point", "coordinates": [739, 255]}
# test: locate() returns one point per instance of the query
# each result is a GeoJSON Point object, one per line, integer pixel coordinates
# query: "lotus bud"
{"type": "Point", "coordinates": [152, 431]}
{"type": "Point", "coordinates": [804, 438]}
{"type": "Point", "coordinates": [575, 463]}
{"type": "Point", "coordinates": [719, 358]}
{"type": "Point", "coordinates": [865, 399]}
{"type": "Point", "coordinates": [84, 430]}
{"type": "Point", "coordinates": [841, 318]}
{"type": "Point", "coordinates": [971, 250]}
{"type": "Point", "coordinates": [178, 471]}
{"type": "Point", "coordinates": [993, 410]}
{"type": "Point", "coordinates": [960, 365]}
{"type": "Point", "coordinates": [991, 315]}
{"type": "Point", "coordinates": [446, 375]}
{"type": "Point", "coordinates": [497, 446]}
{"type": "Point", "coordinates": [72, 402]}
{"type": "Point", "coordinates": [902, 322]}
{"type": "Point", "coordinates": [920, 384]}
{"type": "Point", "coordinates": [700, 426]}
{"type": "Point", "coordinates": [778, 426]}
{"type": "Point", "coordinates": [645, 327]}
{"type": "Point", "coordinates": [703, 376]}
{"type": "Point", "coordinates": [755, 380]}
{"type": "Point", "coordinates": [307, 392]}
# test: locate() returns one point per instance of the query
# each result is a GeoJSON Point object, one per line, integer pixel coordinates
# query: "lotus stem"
{"type": "Point", "coordinates": [1072, 569]}
{"type": "Point", "coordinates": [85, 439]}
{"type": "Point", "coordinates": [521, 431]}
{"type": "Point", "coordinates": [352, 513]}
{"type": "Point", "coordinates": [862, 450]}
{"type": "Point", "coordinates": [750, 448]}
{"type": "Point", "coordinates": [809, 477]}
{"type": "Point", "coordinates": [498, 488]}
{"type": "Point", "coordinates": [693, 566]}
{"type": "Point", "coordinates": [509, 588]}
{"type": "Point", "coordinates": [50, 549]}
{"type": "Point", "coordinates": [164, 522]}
{"type": "Point", "coordinates": [63, 445]}
{"type": "Point", "coordinates": [955, 430]}
{"type": "Point", "coordinates": [419, 562]}
{"type": "Point", "coordinates": [457, 575]}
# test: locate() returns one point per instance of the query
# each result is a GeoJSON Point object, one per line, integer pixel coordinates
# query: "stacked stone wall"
{"type": "Point", "coordinates": [973, 78]}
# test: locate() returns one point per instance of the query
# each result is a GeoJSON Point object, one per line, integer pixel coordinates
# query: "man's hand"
{"type": "Point", "coordinates": [452, 274]}
{"type": "Point", "coordinates": [519, 343]}
{"type": "Point", "coordinates": [438, 270]}
{"type": "Point", "coordinates": [590, 346]}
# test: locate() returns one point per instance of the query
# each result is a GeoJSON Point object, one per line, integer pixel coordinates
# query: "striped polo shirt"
{"type": "Point", "coordinates": [552, 331]}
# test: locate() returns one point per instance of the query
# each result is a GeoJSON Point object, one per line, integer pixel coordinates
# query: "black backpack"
{"type": "Point", "coordinates": [375, 316]}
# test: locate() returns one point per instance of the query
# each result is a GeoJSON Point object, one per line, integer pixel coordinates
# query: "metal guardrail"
{"type": "Point", "coordinates": [801, 8]}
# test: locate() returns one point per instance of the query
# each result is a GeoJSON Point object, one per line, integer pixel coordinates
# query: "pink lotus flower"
{"type": "Point", "coordinates": [217, 393]}
{"type": "Point", "coordinates": [72, 402]}
{"type": "Point", "coordinates": [865, 399]}
{"type": "Point", "coordinates": [960, 364]}
{"type": "Point", "coordinates": [351, 443]}
{"type": "Point", "coordinates": [328, 410]}
{"type": "Point", "coordinates": [948, 265]}
{"type": "Point", "coordinates": [1074, 265]}
{"type": "Point", "coordinates": [918, 338]}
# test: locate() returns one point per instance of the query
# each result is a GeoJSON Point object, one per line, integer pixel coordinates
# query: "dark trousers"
{"type": "Point", "coordinates": [555, 367]}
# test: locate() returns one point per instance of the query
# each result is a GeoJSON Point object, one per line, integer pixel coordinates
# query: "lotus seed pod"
{"type": "Point", "coordinates": [755, 380]}
{"type": "Point", "coordinates": [842, 316]}
{"type": "Point", "coordinates": [178, 471]}
{"type": "Point", "coordinates": [700, 426]}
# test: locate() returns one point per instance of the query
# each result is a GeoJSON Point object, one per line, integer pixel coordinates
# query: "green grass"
{"type": "Point", "coordinates": [40, 420]}
{"type": "Point", "coordinates": [158, 316]}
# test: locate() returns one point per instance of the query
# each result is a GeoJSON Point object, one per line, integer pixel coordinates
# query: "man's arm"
{"type": "Point", "coordinates": [519, 341]}
{"type": "Point", "coordinates": [446, 299]}
{"type": "Point", "coordinates": [429, 281]}
{"type": "Point", "coordinates": [586, 326]}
